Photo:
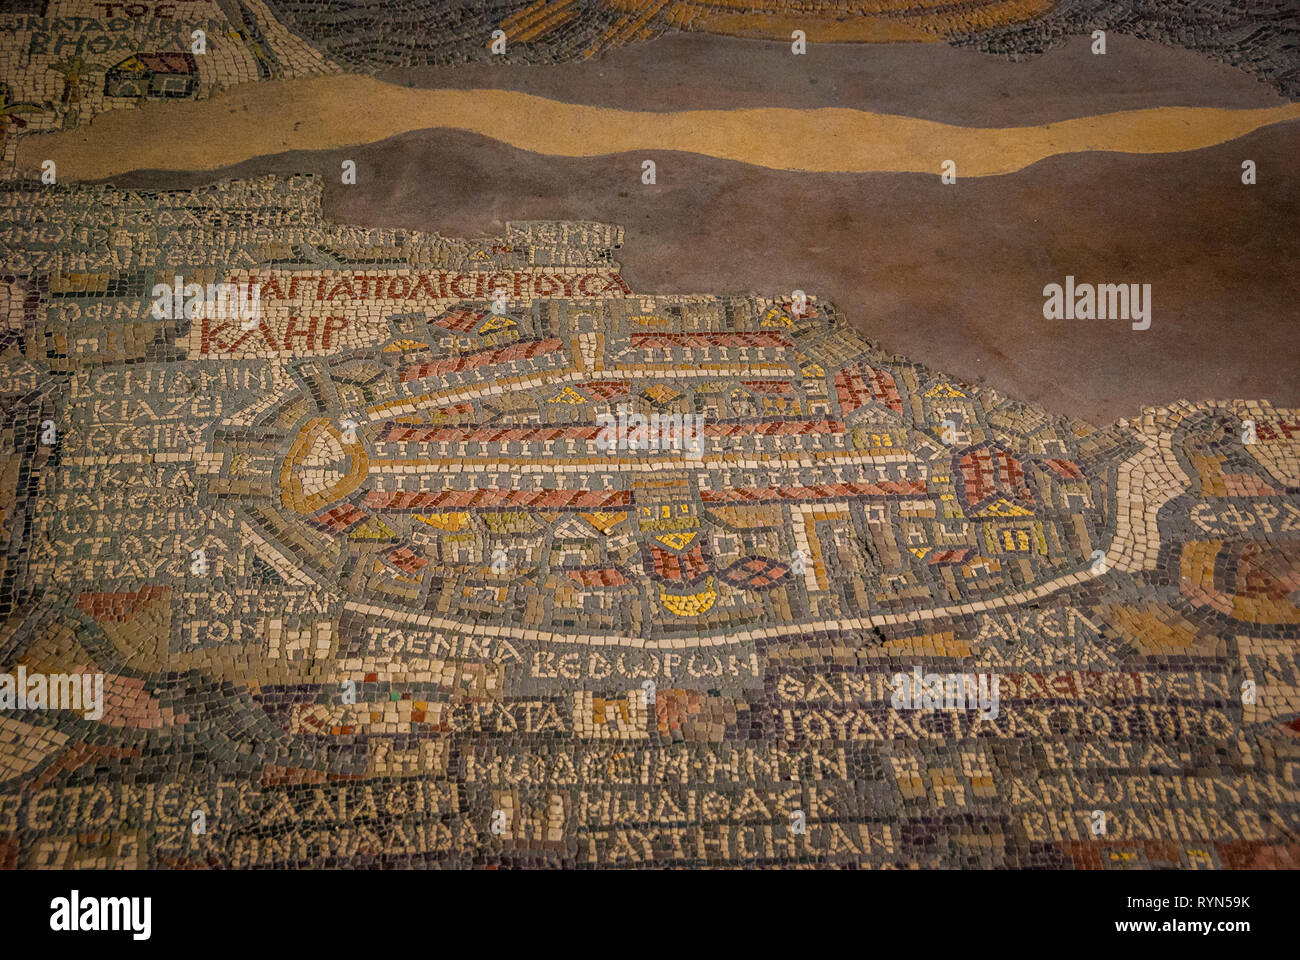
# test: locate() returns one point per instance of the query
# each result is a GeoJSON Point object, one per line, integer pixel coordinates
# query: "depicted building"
{"type": "Point", "coordinates": [153, 75]}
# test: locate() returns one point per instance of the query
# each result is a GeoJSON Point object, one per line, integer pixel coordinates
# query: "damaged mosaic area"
{"type": "Point", "coordinates": [440, 620]}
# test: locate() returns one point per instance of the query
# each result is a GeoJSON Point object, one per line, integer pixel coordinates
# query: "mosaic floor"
{"type": "Point", "coordinates": [464, 551]}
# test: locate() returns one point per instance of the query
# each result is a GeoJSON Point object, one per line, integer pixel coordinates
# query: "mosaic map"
{"type": "Point", "coordinates": [335, 538]}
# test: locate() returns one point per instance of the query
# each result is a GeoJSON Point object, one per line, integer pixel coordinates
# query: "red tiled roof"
{"type": "Point", "coordinates": [180, 63]}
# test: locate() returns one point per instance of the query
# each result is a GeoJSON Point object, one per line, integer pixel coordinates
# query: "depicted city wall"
{"type": "Point", "coordinates": [465, 552]}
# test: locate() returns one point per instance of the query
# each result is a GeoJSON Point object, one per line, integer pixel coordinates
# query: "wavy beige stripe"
{"type": "Point", "coordinates": [324, 113]}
